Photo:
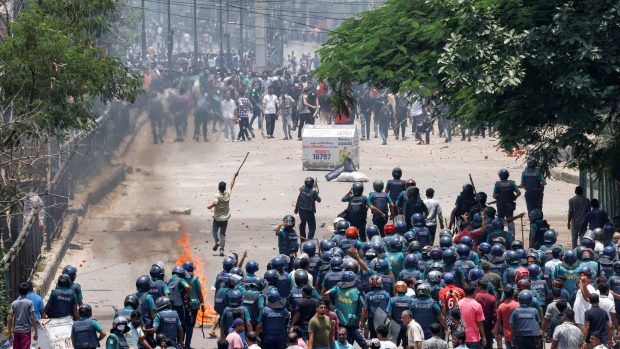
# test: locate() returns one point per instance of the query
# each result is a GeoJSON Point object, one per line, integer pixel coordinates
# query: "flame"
{"type": "Point", "coordinates": [209, 315]}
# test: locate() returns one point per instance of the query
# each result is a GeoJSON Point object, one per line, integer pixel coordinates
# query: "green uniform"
{"type": "Point", "coordinates": [348, 305]}
{"type": "Point", "coordinates": [195, 292]}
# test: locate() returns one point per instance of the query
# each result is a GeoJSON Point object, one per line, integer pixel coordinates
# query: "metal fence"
{"type": "Point", "coordinates": [605, 189]}
{"type": "Point", "coordinates": [74, 161]}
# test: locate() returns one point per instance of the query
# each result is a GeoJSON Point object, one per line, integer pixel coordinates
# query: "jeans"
{"type": "Point", "coordinates": [270, 120]}
{"type": "Point", "coordinates": [354, 334]}
{"type": "Point", "coordinates": [243, 129]}
{"type": "Point", "coordinates": [190, 322]}
{"type": "Point", "coordinates": [307, 217]}
{"type": "Point", "coordinates": [384, 125]}
{"type": "Point", "coordinates": [365, 121]}
{"type": "Point", "coordinates": [180, 125]}
{"type": "Point", "coordinates": [229, 129]}
{"type": "Point", "coordinates": [220, 238]}
{"type": "Point", "coordinates": [201, 123]}
{"type": "Point", "coordinates": [432, 229]}
{"type": "Point", "coordinates": [402, 126]}
{"type": "Point", "coordinates": [286, 125]}
{"type": "Point", "coordinates": [257, 114]}
{"type": "Point", "coordinates": [304, 119]}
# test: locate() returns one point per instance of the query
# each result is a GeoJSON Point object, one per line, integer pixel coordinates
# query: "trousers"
{"type": "Point", "coordinates": [219, 232]}
{"type": "Point", "coordinates": [307, 217]}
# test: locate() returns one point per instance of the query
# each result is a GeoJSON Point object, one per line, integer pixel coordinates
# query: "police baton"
{"type": "Point", "coordinates": [522, 236]}
{"type": "Point", "coordinates": [471, 180]}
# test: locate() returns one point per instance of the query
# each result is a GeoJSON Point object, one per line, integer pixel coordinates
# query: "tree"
{"type": "Point", "coordinates": [544, 74]}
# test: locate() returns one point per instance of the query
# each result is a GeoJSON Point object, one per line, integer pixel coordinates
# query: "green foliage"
{"type": "Point", "coordinates": [5, 301]}
{"type": "Point", "coordinates": [544, 74]}
{"type": "Point", "coordinates": [52, 71]}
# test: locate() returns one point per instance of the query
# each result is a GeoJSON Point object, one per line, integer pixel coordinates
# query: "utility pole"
{"type": "Point", "coordinates": [260, 32]}
{"type": "Point", "coordinates": [221, 36]}
{"type": "Point", "coordinates": [195, 33]}
{"type": "Point", "coordinates": [228, 54]}
{"type": "Point", "coordinates": [241, 24]}
{"type": "Point", "coordinates": [170, 36]}
{"type": "Point", "coordinates": [143, 36]}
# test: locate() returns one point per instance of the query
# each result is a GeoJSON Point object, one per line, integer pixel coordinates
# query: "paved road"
{"type": "Point", "coordinates": [131, 229]}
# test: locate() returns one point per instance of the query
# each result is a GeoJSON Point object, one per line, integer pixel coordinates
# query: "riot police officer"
{"type": "Point", "coordinates": [167, 322]}
{"type": "Point", "coordinates": [130, 304]}
{"type": "Point", "coordinates": [396, 185]}
{"type": "Point", "coordinates": [533, 181]}
{"type": "Point", "coordinates": [306, 207]}
{"type": "Point", "coordinates": [377, 299]}
{"type": "Point", "coordinates": [506, 192]}
{"type": "Point", "coordinates": [400, 303]}
{"type": "Point", "coordinates": [314, 259]}
{"type": "Point", "coordinates": [425, 310]}
{"type": "Point", "coordinates": [526, 322]}
{"type": "Point", "coordinates": [62, 301]}
{"type": "Point", "coordinates": [86, 333]}
{"type": "Point", "coordinates": [272, 322]}
{"type": "Point", "coordinates": [77, 289]}
{"type": "Point", "coordinates": [357, 208]}
{"type": "Point", "coordinates": [159, 287]}
{"type": "Point", "coordinates": [196, 299]}
{"type": "Point", "coordinates": [235, 309]}
{"type": "Point", "coordinates": [146, 303]}
{"type": "Point", "coordinates": [379, 204]}
{"type": "Point", "coordinates": [116, 339]}
{"type": "Point", "coordinates": [288, 243]}
{"type": "Point", "coordinates": [179, 293]}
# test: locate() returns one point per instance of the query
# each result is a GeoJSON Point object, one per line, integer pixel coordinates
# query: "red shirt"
{"type": "Point", "coordinates": [489, 307]}
{"type": "Point", "coordinates": [446, 299]}
{"type": "Point", "coordinates": [503, 315]}
{"type": "Point", "coordinates": [474, 235]}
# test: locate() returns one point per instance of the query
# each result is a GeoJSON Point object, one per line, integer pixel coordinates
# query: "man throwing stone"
{"type": "Point", "coordinates": [221, 214]}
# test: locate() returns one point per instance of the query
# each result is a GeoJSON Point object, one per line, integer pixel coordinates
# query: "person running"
{"type": "Point", "coordinates": [221, 214]}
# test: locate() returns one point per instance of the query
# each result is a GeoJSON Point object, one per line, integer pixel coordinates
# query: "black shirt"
{"type": "Point", "coordinates": [306, 309]}
{"type": "Point", "coordinates": [597, 317]}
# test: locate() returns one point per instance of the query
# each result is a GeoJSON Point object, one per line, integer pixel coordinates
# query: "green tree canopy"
{"type": "Point", "coordinates": [544, 74]}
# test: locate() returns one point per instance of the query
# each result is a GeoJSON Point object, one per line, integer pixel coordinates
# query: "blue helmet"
{"type": "Point", "coordinates": [569, 257]}
{"type": "Point", "coordinates": [157, 272]}
{"type": "Point", "coordinates": [436, 254]}
{"type": "Point", "coordinates": [476, 221]}
{"type": "Point", "coordinates": [411, 261]}
{"type": "Point", "coordinates": [71, 271]}
{"type": "Point", "coordinates": [409, 236]}
{"type": "Point", "coordinates": [497, 224]}
{"type": "Point", "coordinates": [512, 276]}
{"type": "Point", "coordinates": [522, 255]}
{"type": "Point", "coordinates": [235, 298]}
{"type": "Point", "coordinates": [309, 247]}
{"type": "Point", "coordinates": [328, 245]}
{"type": "Point", "coordinates": [462, 250]}
{"type": "Point", "coordinates": [414, 246]}
{"type": "Point", "coordinates": [467, 240]}
{"type": "Point", "coordinates": [251, 266]}
{"type": "Point", "coordinates": [401, 227]}
{"type": "Point", "coordinates": [512, 257]}
{"type": "Point", "coordinates": [445, 232]}
{"type": "Point", "coordinates": [585, 270]}
{"type": "Point", "coordinates": [273, 296]}
{"type": "Point", "coordinates": [178, 271]}
{"type": "Point", "coordinates": [609, 252]}
{"type": "Point", "coordinates": [372, 230]}
{"type": "Point", "coordinates": [370, 254]}
{"type": "Point", "coordinates": [271, 276]}
{"type": "Point", "coordinates": [534, 271]}
{"type": "Point", "coordinates": [536, 214]}
{"type": "Point", "coordinates": [449, 256]}
{"type": "Point", "coordinates": [228, 263]}
{"type": "Point", "coordinates": [394, 245]}
{"type": "Point", "coordinates": [278, 262]}
{"type": "Point", "coordinates": [348, 279]}
{"type": "Point", "coordinates": [338, 252]}
{"type": "Point", "coordinates": [503, 174]}
{"type": "Point", "coordinates": [237, 271]}
{"type": "Point", "coordinates": [484, 247]}
{"type": "Point", "coordinates": [445, 242]}
{"type": "Point", "coordinates": [417, 219]}
{"type": "Point", "coordinates": [579, 251]}
{"type": "Point", "coordinates": [378, 247]}
{"type": "Point", "coordinates": [475, 274]}
{"type": "Point", "coordinates": [336, 263]}
{"type": "Point", "coordinates": [327, 256]}
{"type": "Point", "coordinates": [448, 278]}
{"type": "Point", "coordinates": [608, 229]}
{"type": "Point", "coordinates": [525, 298]}
{"type": "Point", "coordinates": [382, 266]}
{"type": "Point", "coordinates": [342, 226]}
{"type": "Point", "coordinates": [497, 250]}
{"type": "Point", "coordinates": [189, 266]}
{"type": "Point", "coordinates": [550, 236]}
{"type": "Point", "coordinates": [516, 245]}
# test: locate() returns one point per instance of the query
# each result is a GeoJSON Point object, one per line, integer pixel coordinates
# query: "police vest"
{"type": "Point", "coordinates": [541, 228]}
{"type": "Point", "coordinates": [122, 341]}
{"type": "Point", "coordinates": [465, 203]}
{"type": "Point", "coordinates": [388, 282]}
{"type": "Point", "coordinates": [84, 335]}
{"type": "Point", "coordinates": [400, 303]}
{"type": "Point", "coordinates": [498, 268]}
{"type": "Point", "coordinates": [229, 316]}
{"type": "Point", "coordinates": [332, 279]}
{"type": "Point", "coordinates": [157, 290]}
{"type": "Point", "coordinates": [423, 235]}
{"type": "Point", "coordinates": [289, 244]}
{"type": "Point", "coordinates": [250, 279]}
{"type": "Point", "coordinates": [423, 264]}
{"type": "Point", "coordinates": [356, 211]}
{"type": "Point", "coordinates": [250, 302]}
{"type": "Point", "coordinates": [465, 265]}
{"type": "Point", "coordinates": [413, 205]}
{"type": "Point", "coordinates": [314, 264]}
{"type": "Point", "coordinates": [347, 243]}
{"type": "Point", "coordinates": [531, 179]}
{"type": "Point", "coordinates": [168, 324]}
{"type": "Point", "coordinates": [540, 286]}
{"type": "Point", "coordinates": [423, 313]}
{"type": "Point", "coordinates": [176, 292]}
{"type": "Point", "coordinates": [380, 201]}
{"type": "Point", "coordinates": [407, 274]}
{"type": "Point", "coordinates": [144, 311]}
{"type": "Point", "coordinates": [63, 303]}
{"type": "Point", "coordinates": [525, 324]}
{"type": "Point", "coordinates": [274, 321]}
{"type": "Point", "coordinates": [377, 299]}
{"type": "Point", "coordinates": [305, 200]}
{"type": "Point", "coordinates": [296, 295]}
{"type": "Point", "coordinates": [220, 299]}
{"type": "Point", "coordinates": [219, 279]}
{"type": "Point", "coordinates": [396, 187]}
{"type": "Point", "coordinates": [505, 192]}
{"type": "Point", "coordinates": [607, 267]}
{"type": "Point", "coordinates": [283, 285]}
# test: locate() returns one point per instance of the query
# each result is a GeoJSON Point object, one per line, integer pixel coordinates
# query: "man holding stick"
{"type": "Point", "coordinates": [221, 214]}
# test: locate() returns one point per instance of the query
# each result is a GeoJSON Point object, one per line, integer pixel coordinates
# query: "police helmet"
{"type": "Point", "coordinates": [309, 182]}
{"type": "Point", "coordinates": [376, 281]}
{"type": "Point", "coordinates": [448, 278]}
{"type": "Point", "coordinates": [435, 277]}
{"type": "Point", "coordinates": [389, 229]}
{"type": "Point", "coordinates": [251, 266]}
{"type": "Point", "coordinates": [449, 256]}
{"type": "Point", "coordinates": [484, 247]}
{"type": "Point", "coordinates": [120, 323]}
{"type": "Point", "coordinates": [497, 224]}
{"type": "Point", "coordinates": [532, 163]}
{"type": "Point", "coordinates": [351, 232]}
{"type": "Point", "coordinates": [179, 271]}
{"type": "Point", "coordinates": [132, 301]}
{"type": "Point", "coordinates": [342, 226]}
{"type": "Point", "coordinates": [348, 279]}
{"type": "Point", "coordinates": [401, 227]}
{"type": "Point", "coordinates": [400, 287]}
{"type": "Point", "coordinates": [233, 280]}
{"type": "Point", "coordinates": [424, 290]}
{"type": "Point", "coordinates": [382, 266]}
{"type": "Point", "coordinates": [338, 252]}
{"type": "Point", "coordinates": [336, 264]}
{"type": "Point", "coordinates": [436, 253]}
{"type": "Point", "coordinates": [165, 303]}
{"type": "Point", "coordinates": [617, 267]}
{"type": "Point", "coordinates": [468, 188]}
{"type": "Point", "coordinates": [157, 272]}
{"type": "Point", "coordinates": [397, 173]}
{"type": "Point", "coordinates": [417, 219]}
{"type": "Point", "coordinates": [445, 232]}
{"type": "Point", "coordinates": [64, 280]}
{"type": "Point", "coordinates": [372, 230]}
{"type": "Point", "coordinates": [328, 246]}
{"type": "Point", "coordinates": [445, 242]}
{"type": "Point", "coordinates": [411, 261]}
{"type": "Point", "coordinates": [516, 245]}
{"type": "Point", "coordinates": [462, 250]}
{"type": "Point", "coordinates": [569, 257]}
{"type": "Point", "coordinates": [550, 236]}
{"type": "Point", "coordinates": [71, 271]}
{"type": "Point", "coordinates": [481, 197]}
{"type": "Point", "coordinates": [377, 185]}
{"type": "Point", "coordinates": [512, 257]}
{"type": "Point", "coordinates": [414, 246]}
{"type": "Point", "coordinates": [370, 254]}
{"type": "Point", "coordinates": [609, 252]}
{"type": "Point", "coordinates": [357, 188]}
{"type": "Point", "coordinates": [503, 174]}
{"type": "Point", "coordinates": [468, 241]}
{"type": "Point", "coordinates": [522, 255]}
{"type": "Point", "coordinates": [301, 277]}
{"type": "Point", "coordinates": [534, 271]}
{"type": "Point", "coordinates": [512, 276]}
{"type": "Point", "coordinates": [587, 271]}
{"type": "Point", "coordinates": [608, 229]}
{"type": "Point", "coordinates": [235, 298]}
{"type": "Point", "coordinates": [536, 214]}
{"type": "Point", "coordinates": [586, 242]}
{"type": "Point", "coordinates": [271, 276]}
{"type": "Point", "coordinates": [378, 247]}
{"type": "Point", "coordinates": [475, 274]}
{"type": "Point", "coordinates": [309, 247]}
{"type": "Point", "coordinates": [227, 263]}
{"type": "Point", "coordinates": [599, 234]}
{"type": "Point", "coordinates": [278, 262]}
{"type": "Point", "coordinates": [579, 251]}
{"type": "Point", "coordinates": [394, 245]}
{"type": "Point", "coordinates": [497, 250]}
{"type": "Point", "coordinates": [476, 221]}
{"type": "Point", "coordinates": [143, 283]}
{"type": "Point", "coordinates": [237, 271]}
{"type": "Point", "coordinates": [85, 311]}
{"type": "Point", "coordinates": [524, 284]}
{"type": "Point", "coordinates": [350, 264]}
{"type": "Point", "coordinates": [289, 221]}
{"type": "Point", "coordinates": [426, 252]}
{"type": "Point", "coordinates": [189, 266]}
{"type": "Point", "coordinates": [409, 236]}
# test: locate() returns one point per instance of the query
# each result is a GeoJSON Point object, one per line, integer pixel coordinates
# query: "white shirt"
{"type": "Point", "coordinates": [434, 209]}
{"type": "Point", "coordinates": [292, 275]}
{"type": "Point", "coordinates": [254, 346]}
{"type": "Point", "coordinates": [228, 108]}
{"type": "Point", "coordinates": [607, 303]}
{"type": "Point", "coordinates": [553, 263]}
{"type": "Point", "coordinates": [414, 332]}
{"type": "Point", "coordinates": [581, 306]}
{"type": "Point", "coordinates": [269, 103]}
{"type": "Point", "coordinates": [388, 345]}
